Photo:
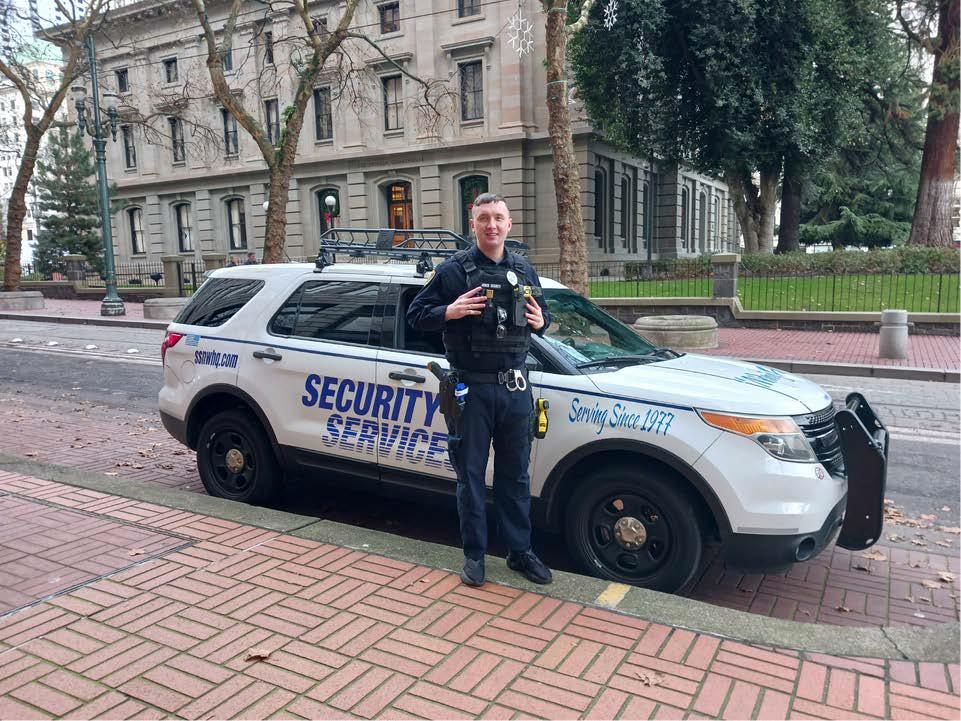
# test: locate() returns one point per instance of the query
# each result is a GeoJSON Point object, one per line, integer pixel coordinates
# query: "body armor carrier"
{"type": "Point", "coordinates": [502, 326]}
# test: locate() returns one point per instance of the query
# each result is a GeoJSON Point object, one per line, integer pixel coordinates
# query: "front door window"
{"type": "Point", "coordinates": [470, 188]}
{"type": "Point", "coordinates": [400, 208]}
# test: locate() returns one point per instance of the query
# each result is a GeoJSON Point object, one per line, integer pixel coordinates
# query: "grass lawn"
{"type": "Point", "coordinates": [917, 293]}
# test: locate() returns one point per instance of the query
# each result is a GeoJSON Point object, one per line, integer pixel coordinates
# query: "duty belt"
{"type": "Point", "coordinates": [514, 379]}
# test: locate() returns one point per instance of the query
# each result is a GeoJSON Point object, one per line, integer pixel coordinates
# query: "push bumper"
{"type": "Point", "coordinates": [864, 443]}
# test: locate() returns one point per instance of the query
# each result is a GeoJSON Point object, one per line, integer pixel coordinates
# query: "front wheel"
{"type": "Point", "coordinates": [635, 526]}
{"type": "Point", "coordinates": [235, 458]}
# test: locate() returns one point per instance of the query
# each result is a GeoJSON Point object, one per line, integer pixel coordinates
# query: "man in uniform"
{"type": "Point", "coordinates": [485, 300]}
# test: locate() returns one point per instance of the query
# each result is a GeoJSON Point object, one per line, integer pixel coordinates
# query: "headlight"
{"type": "Point", "coordinates": [781, 437]}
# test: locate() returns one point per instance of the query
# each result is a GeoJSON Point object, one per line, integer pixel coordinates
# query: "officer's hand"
{"type": "Point", "coordinates": [534, 315]}
{"type": "Point", "coordinates": [468, 304]}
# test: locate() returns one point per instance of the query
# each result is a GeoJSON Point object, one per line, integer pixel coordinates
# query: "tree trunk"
{"type": "Point", "coordinates": [932, 211]}
{"type": "Point", "coordinates": [788, 239]}
{"type": "Point", "coordinates": [567, 182]}
{"type": "Point", "coordinates": [754, 207]}
{"type": "Point", "coordinates": [17, 211]}
{"type": "Point", "coordinates": [766, 204]}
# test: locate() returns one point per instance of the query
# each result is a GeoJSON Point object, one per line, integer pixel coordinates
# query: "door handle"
{"type": "Point", "coordinates": [398, 376]}
{"type": "Point", "coordinates": [268, 354]}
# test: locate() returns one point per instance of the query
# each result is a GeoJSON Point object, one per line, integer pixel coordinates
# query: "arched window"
{"type": "Point", "coordinates": [701, 220]}
{"type": "Point", "coordinates": [648, 212]}
{"type": "Point", "coordinates": [329, 213]}
{"type": "Point", "coordinates": [600, 216]}
{"type": "Point", "coordinates": [135, 223]}
{"type": "Point", "coordinates": [185, 238]}
{"type": "Point", "coordinates": [470, 188]}
{"type": "Point", "coordinates": [400, 205]}
{"type": "Point", "coordinates": [685, 214]}
{"type": "Point", "coordinates": [626, 205]}
{"type": "Point", "coordinates": [236, 224]}
{"type": "Point", "coordinates": [716, 235]}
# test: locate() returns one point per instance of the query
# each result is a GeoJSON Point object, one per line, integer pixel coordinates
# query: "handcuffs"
{"type": "Point", "coordinates": [513, 379]}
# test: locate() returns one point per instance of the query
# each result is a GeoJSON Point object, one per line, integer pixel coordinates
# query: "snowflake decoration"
{"type": "Point", "coordinates": [520, 33]}
{"type": "Point", "coordinates": [610, 14]}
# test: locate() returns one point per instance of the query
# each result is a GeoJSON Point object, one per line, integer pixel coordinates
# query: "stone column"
{"type": "Point", "coordinates": [171, 265]}
{"type": "Point", "coordinates": [75, 267]}
{"type": "Point", "coordinates": [213, 261]}
{"type": "Point", "coordinates": [725, 274]}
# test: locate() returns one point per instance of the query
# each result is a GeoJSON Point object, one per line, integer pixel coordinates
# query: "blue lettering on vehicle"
{"type": "Point", "coordinates": [620, 416]}
{"type": "Point", "coordinates": [371, 418]}
{"type": "Point", "coordinates": [215, 359]}
{"type": "Point", "coordinates": [763, 376]}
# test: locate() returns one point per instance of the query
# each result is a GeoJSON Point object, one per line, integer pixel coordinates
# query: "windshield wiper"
{"type": "Point", "coordinates": [617, 360]}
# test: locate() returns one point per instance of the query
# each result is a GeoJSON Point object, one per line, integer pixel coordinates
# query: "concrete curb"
{"type": "Point", "coordinates": [88, 320]}
{"type": "Point", "coordinates": [936, 644]}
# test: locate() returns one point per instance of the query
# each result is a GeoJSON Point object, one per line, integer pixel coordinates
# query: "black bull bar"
{"type": "Point", "coordinates": [864, 443]}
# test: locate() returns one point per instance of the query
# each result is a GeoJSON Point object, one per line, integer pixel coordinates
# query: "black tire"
{"type": "Point", "coordinates": [235, 458]}
{"type": "Point", "coordinates": [671, 553]}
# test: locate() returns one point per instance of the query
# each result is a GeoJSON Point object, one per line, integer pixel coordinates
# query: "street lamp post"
{"type": "Point", "coordinates": [112, 304]}
{"type": "Point", "coordinates": [330, 201]}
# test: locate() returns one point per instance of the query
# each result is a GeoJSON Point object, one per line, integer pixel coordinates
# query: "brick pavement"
{"type": "Point", "coordinates": [247, 623]}
{"type": "Point", "coordinates": [875, 592]}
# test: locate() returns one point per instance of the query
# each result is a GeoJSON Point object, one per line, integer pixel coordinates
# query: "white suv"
{"type": "Point", "coordinates": [300, 370]}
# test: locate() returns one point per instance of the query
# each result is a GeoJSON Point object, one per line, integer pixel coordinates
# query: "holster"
{"type": "Point", "coordinates": [448, 402]}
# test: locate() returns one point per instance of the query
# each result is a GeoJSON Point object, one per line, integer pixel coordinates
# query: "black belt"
{"type": "Point", "coordinates": [498, 377]}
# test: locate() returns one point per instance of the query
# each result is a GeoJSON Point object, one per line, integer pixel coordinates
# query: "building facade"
{"type": "Point", "coordinates": [190, 181]}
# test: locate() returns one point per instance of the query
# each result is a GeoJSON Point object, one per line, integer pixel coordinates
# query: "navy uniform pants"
{"type": "Point", "coordinates": [493, 414]}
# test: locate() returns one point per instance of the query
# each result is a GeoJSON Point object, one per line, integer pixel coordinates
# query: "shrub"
{"type": "Point", "coordinates": [906, 259]}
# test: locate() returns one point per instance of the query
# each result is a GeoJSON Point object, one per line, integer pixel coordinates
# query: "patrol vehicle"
{"type": "Point", "coordinates": [307, 371]}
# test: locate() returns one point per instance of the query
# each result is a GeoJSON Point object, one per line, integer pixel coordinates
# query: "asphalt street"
{"type": "Point", "coordinates": [923, 419]}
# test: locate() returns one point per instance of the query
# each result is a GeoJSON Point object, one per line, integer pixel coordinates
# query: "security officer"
{"type": "Point", "coordinates": [485, 300]}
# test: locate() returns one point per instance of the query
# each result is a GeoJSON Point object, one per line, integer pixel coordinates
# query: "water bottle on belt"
{"type": "Point", "coordinates": [460, 395]}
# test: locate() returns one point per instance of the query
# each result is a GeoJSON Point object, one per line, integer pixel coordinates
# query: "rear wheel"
{"type": "Point", "coordinates": [235, 458]}
{"type": "Point", "coordinates": [635, 526]}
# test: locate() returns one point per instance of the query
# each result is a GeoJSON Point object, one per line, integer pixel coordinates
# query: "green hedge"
{"type": "Point", "coordinates": [907, 259]}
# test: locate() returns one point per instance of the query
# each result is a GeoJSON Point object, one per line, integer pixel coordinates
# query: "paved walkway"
{"type": "Point", "coordinates": [928, 352]}
{"type": "Point", "coordinates": [127, 609]}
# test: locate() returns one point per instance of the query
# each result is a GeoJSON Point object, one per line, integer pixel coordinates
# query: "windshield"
{"type": "Point", "coordinates": [583, 332]}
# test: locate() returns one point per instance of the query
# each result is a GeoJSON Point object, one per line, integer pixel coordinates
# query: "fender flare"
{"type": "Point", "coordinates": [243, 397]}
{"type": "Point", "coordinates": [551, 496]}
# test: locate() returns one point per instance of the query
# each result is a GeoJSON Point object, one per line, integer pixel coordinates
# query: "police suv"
{"type": "Point", "coordinates": [300, 371]}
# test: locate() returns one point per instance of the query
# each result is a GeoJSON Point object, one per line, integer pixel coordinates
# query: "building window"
{"type": "Point", "coordinates": [170, 70]}
{"type": "Point", "coordinates": [393, 103]}
{"type": "Point", "coordinates": [471, 91]}
{"type": "Point", "coordinates": [185, 239]}
{"type": "Point", "coordinates": [177, 139]}
{"type": "Point", "coordinates": [323, 122]}
{"type": "Point", "coordinates": [320, 27]}
{"type": "Point", "coordinates": [268, 47]}
{"type": "Point", "coordinates": [272, 116]}
{"type": "Point", "coordinates": [129, 149]}
{"type": "Point", "coordinates": [135, 221]}
{"type": "Point", "coordinates": [701, 220]}
{"type": "Point", "coordinates": [227, 59]}
{"type": "Point", "coordinates": [470, 188]}
{"type": "Point", "coordinates": [231, 142]}
{"type": "Point", "coordinates": [389, 17]}
{"type": "Point", "coordinates": [600, 217]}
{"type": "Point", "coordinates": [625, 211]}
{"type": "Point", "coordinates": [122, 79]}
{"type": "Point", "coordinates": [400, 206]}
{"type": "Point", "coordinates": [716, 231]}
{"type": "Point", "coordinates": [328, 213]}
{"type": "Point", "coordinates": [236, 224]}
{"type": "Point", "coordinates": [466, 8]}
{"type": "Point", "coordinates": [685, 201]}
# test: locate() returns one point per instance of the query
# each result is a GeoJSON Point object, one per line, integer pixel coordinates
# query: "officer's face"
{"type": "Point", "coordinates": [491, 222]}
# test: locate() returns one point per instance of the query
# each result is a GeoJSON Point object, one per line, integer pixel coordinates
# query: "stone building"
{"type": "Point", "coordinates": [192, 182]}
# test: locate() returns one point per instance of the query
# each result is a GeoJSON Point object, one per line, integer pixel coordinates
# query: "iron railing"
{"type": "Point", "coordinates": [678, 277]}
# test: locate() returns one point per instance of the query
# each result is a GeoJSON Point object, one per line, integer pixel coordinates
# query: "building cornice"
{"type": "Point", "coordinates": [463, 47]}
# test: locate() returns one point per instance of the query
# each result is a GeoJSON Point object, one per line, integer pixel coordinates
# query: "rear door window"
{"type": "Point", "coordinates": [218, 300]}
{"type": "Point", "coordinates": [331, 310]}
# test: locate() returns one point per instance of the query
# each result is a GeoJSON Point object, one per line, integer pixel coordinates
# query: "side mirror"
{"type": "Point", "coordinates": [532, 364]}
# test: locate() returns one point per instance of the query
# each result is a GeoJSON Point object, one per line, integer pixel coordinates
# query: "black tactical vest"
{"type": "Point", "coordinates": [502, 327]}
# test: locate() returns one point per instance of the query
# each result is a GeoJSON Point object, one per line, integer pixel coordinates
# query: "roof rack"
{"type": "Point", "coordinates": [395, 244]}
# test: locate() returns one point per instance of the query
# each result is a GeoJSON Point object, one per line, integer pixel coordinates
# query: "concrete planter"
{"type": "Point", "coordinates": [163, 308]}
{"type": "Point", "coordinates": [21, 300]}
{"type": "Point", "coordinates": [679, 331]}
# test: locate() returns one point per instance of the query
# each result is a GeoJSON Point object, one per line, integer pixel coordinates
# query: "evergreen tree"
{"type": "Point", "coordinates": [67, 203]}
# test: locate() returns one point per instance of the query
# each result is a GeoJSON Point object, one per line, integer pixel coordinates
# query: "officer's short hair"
{"type": "Point", "coordinates": [485, 198]}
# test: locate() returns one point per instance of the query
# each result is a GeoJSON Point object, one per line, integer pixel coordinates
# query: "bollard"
{"type": "Point", "coordinates": [894, 334]}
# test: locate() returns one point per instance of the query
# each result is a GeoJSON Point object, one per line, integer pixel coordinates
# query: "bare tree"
{"type": "Point", "coordinates": [567, 180]}
{"type": "Point", "coordinates": [41, 102]}
{"type": "Point", "coordinates": [932, 211]}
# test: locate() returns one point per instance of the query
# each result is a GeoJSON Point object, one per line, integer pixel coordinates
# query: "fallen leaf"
{"type": "Point", "coordinates": [806, 613]}
{"type": "Point", "coordinates": [747, 590]}
{"type": "Point", "coordinates": [924, 599]}
{"type": "Point", "coordinates": [874, 555]}
{"type": "Point", "coordinates": [930, 584]}
{"type": "Point", "coordinates": [166, 466]}
{"type": "Point", "coordinates": [859, 567]}
{"type": "Point", "coordinates": [916, 564]}
{"type": "Point", "coordinates": [946, 577]}
{"type": "Point", "coordinates": [928, 517]}
{"type": "Point", "coordinates": [257, 654]}
{"type": "Point", "coordinates": [918, 542]}
{"type": "Point", "coordinates": [137, 465]}
{"type": "Point", "coordinates": [909, 598]}
{"type": "Point", "coordinates": [945, 508]}
{"type": "Point", "coordinates": [843, 609]}
{"type": "Point", "coordinates": [139, 552]}
{"type": "Point", "coordinates": [918, 614]}
{"type": "Point", "coordinates": [895, 537]}
{"type": "Point", "coordinates": [950, 529]}
{"type": "Point", "coordinates": [945, 543]}
{"type": "Point", "coordinates": [30, 454]}
{"type": "Point", "coordinates": [655, 679]}
{"type": "Point", "coordinates": [110, 473]}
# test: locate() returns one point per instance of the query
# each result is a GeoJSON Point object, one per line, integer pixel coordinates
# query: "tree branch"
{"type": "Point", "coordinates": [581, 21]}
{"type": "Point", "coordinates": [927, 42]}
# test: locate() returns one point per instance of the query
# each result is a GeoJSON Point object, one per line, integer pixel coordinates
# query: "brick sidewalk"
{"type": "Point", "coordinates": [210, 618]}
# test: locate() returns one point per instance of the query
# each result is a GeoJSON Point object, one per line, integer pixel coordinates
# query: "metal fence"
{"type": "Point", "coordinates": [857, 292]}
{"type": "Point", "coordinates": [678, 277]}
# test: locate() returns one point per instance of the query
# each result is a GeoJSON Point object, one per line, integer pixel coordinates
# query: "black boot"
{"type": "Point", "coordinates": [531, 566]}
{"type": "Point", "coordinates": [473, 573]}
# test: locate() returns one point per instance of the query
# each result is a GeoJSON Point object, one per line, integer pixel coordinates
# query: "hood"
{"type": "Point", "coordinates": [714, 383]}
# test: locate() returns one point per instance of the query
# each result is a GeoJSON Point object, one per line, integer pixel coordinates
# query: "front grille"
{"type": "Point", "coordinates": [822, 434]}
